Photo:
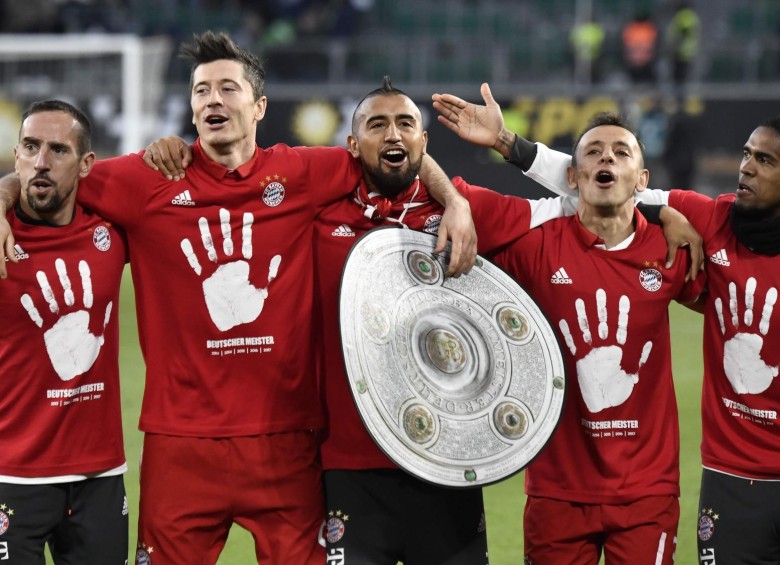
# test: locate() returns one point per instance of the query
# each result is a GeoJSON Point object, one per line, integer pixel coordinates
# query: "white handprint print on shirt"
{"type": "Point", "coordinates": [230, 298]}
{"type": "Point", "coordinates": [72, 348]}
{"type": "Point", "coordinates": [745, 370]}
{"type": "Point", "coordinates": [603, 382]}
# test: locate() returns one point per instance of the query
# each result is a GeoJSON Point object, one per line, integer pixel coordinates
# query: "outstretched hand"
{"type": "Point", "coordinates": [480, 125]}
{"type": "Point", "coordinates": [169, 155]}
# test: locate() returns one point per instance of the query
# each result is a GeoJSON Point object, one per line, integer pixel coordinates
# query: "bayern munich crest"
{"type": "Point", "coordinates": [101, 237]}
{"type": "Point", "coordinates": [273, 194]}
{"type": "Point", "coordinates": [706, 527]}
{"type": "Point", "coordinates": [334, 529]}
{"type": "Point", "coordinates": [5, 522]}
{"type": "Point", "coordinates": [650, 279]}
{"type": "Point", "coordinates": [142, 557]}
{"type": "Point", "coordinates": [432, 224]}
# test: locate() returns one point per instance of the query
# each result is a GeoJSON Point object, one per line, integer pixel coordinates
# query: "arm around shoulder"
{"type": "Point", "coordinates": [457, 223]}
{"type": "Point", "coordinates": [10, 187]}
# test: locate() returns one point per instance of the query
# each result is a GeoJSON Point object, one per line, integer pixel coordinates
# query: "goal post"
{"type": "Point", "coordinates": [118, 80]}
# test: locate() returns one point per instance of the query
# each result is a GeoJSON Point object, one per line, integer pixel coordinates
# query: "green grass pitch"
{"type": "Point", "coordinates": [504, 501]}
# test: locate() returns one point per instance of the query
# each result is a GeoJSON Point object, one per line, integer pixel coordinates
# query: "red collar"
{"type": "Point", "coordinates": [589, 239]}
{"type": "Point", "coordinates": [218, 171]}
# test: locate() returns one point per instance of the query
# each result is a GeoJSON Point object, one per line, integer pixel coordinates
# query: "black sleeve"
{"type": "Point", "coordinates": [523, 153]}
{"type": "Point", "coordinates": [651, 212]}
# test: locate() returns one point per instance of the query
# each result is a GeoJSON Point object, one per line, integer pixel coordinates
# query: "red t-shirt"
{"type": "Point", "coordinates": [499, 220]}
{"type": "Point", "coordinates": [59, 349]}
{"type": "Point", "coordinates": [741, 395]}
{"type": "Point", "coordinates": [222, 265]}
{"type": "Point", "coordinates": [618, 438]}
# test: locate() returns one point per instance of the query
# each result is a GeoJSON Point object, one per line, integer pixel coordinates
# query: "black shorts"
{"type": "Point", "coordinates": [382, 516]}
{"type": "Point", "coordinates": [738, 521]}
{"type": "Point", "coordinates": [84, 522]}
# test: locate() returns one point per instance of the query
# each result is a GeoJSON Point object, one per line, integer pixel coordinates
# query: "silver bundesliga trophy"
{"type": "Point", "coordinates": [460, 381]}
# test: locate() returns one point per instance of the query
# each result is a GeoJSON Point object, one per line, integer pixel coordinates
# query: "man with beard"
{"type": "Point", "coordinates": [61, 472]}
{"type": "Point", "coordinates": [739, 518]}
{"type": "Point", "coordinates": [738, 514]}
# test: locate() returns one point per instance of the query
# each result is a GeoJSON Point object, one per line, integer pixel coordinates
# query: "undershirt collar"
{"type": "Point", "coordinates": [24, 218]}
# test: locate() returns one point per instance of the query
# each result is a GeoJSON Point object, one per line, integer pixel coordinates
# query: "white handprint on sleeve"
{"type": "Point", "coordinates": [602, 380]}
{"type": "Point", "coordinates": [745, 370]}
{"type": "Point", "coordinates": [230, 298]}
{"type": "Point", "coordinates": [72, 348]}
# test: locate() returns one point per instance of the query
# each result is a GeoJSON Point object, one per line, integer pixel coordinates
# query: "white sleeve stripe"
{"type": "Point", "coordinates": [549, 170]}
{"type": "Point", "coordinates": [546, 209]}
{"type": "Point", "coordinates": [653, 196]}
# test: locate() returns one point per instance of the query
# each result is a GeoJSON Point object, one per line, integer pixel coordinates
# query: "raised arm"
{"type": "Point", "coordinates": [484, 125]}
{"type": "Point", "coordinates": [10, 187]}
{"type": "Point", "coordinates": [480, 125]}
{"type": "Point", "coordinates": [456, 223]}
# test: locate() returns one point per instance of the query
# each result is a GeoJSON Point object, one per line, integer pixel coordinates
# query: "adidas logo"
{"type": "Point", "coordinates": [720, 258]}
{"type": "Point", "coordinates": [343, 231]}
{"type": "Point", "coordinates": [19, 253]}
{"type": "Point", "coordinates": [560, 277]}
{"type": "Point", "coordinates": [183, 199]}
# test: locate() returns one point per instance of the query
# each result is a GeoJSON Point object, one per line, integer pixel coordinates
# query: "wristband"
{"type": "Point", "coordinates": [523, 153]}
{"type": "Point", "coordinates": [651, 212]}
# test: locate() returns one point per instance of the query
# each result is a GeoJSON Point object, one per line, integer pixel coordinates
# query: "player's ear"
{"type": "Point", "coordinates": [85, 166]}
{"type": "Point", "coordinates": [571, 177]}
{"type": "Point", "coordinates": [644, 179]}
{"type": "Point", "coordinates": [353, 146]}
{"type": "Point", "coordinates": [260, 107]}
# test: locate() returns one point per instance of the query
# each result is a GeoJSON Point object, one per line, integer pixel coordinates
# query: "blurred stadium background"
{"type": "Point", "coordinates": [116, 59]}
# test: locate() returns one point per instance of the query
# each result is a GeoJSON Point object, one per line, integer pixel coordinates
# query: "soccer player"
{"type": "Point", "coordinates": [223, 274]}
{"type": "Point", "coordinates": [610, 472]}
{"type": "Point", "coordinates": [62, 465]}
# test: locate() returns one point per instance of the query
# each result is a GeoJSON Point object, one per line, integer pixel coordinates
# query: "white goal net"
{"type": "Point", "coordinates": [118, 80]}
